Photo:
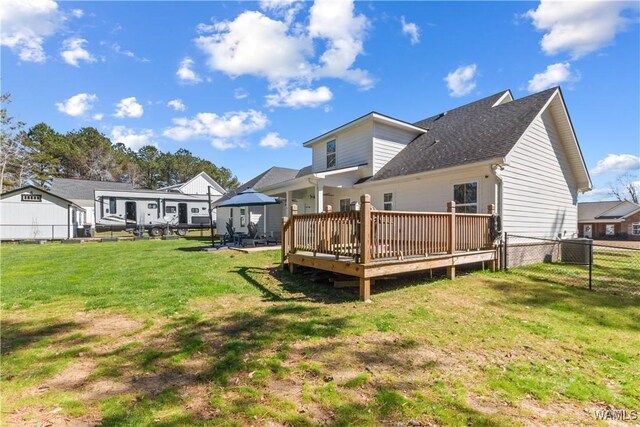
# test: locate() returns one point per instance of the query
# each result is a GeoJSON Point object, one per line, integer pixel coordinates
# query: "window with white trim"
{"type": "Point", "coordinates": [345, 205]}
{"type": "Point", "coordinates": [466, 197]}
{"type": "Point", "coordinates": [331, 154]}
{"type": "Point", "coordinates": [387, 202]}
{"type": "Point", "coordinates": [635, 229]}
{"type": "Point", "coordinates": [31, 197]}
{"type": "Point", "coordinates": [610, 229]}
{"type": "Point", "coordinates": [112, 205]}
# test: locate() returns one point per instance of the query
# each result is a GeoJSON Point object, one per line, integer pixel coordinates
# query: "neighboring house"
{"type": "Point", "coordinates": [199, 184]}
{"type": "Point", "coordinates": [32, 213]}
{"type": "Point", "coordinates": [81, 192]}
{"type": "Point", "coordinates": [520, 155]}
{"type": "Point", "coordinates": [606, 220]}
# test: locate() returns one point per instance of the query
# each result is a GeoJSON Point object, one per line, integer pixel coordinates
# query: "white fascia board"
{"type": "Point", "coordinates": [455, 169]}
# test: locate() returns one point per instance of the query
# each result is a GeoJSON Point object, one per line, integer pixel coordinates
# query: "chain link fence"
{"type": "Point", "coordinates": [575, 262]}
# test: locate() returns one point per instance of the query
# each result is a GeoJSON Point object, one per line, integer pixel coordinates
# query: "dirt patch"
{"type": "Point", "coordinates": [103, 389]}
{"type": "Point", "coordinates": [45, 417]}
{"type": "Point", "coordinates": [107, 325]}
{"type": "Point", "coordinates": [73, 377]}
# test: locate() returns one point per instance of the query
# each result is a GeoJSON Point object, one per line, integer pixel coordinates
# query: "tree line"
{"type": "Point", "coordinates": [39, 154]}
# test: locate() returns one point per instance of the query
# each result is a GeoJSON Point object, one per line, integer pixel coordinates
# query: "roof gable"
{"type": "Point", "coordinates": [33, 187]}
{"type": "Point", "coordinates": [475, 132]}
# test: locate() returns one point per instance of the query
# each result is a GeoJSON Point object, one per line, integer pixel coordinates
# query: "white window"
{"type": "Point", "coordinates": [112, 205]}
{"type": "Point", "coordinates": [388, 202]}
{"type": "Point", "coordinates": [345, 205]}
{"type": "Point", "coordinates": [466, 197]}
{"type": "Point", "coordinates": [635, 228]}
{"type": "Point", "coordinates": [610, 229]}
{"type": "Point", "coordinates": [331, 154]}
{"type": "Point", "coordinates": [31, 197]}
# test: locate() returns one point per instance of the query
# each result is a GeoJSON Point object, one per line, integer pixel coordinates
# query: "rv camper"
{"type": "Point", "coordinates": [157, 212]}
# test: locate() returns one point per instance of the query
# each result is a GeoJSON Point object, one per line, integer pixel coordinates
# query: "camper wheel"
{"type": "Point", "coordinates": [181, 232]}
{"type": "Point", "coordinates": [155, 232]}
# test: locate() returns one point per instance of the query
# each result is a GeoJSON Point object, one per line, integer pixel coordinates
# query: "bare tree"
{"type": "Point", "coordinates": [13, 156]}
{"type": "Point", "coordinates": [626, 188]}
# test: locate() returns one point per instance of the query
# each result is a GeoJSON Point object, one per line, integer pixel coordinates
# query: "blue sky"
{"type": "Point", "coordinates": [244, 84]}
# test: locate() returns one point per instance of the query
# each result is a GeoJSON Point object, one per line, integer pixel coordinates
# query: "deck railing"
{"type": "Point", "coordinates": [367, 235]}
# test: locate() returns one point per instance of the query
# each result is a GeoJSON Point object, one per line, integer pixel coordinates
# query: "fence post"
{"type": "Point", "coordinates": [292, 236]}
{"type": "Point", "coordinates": [365, 244]}
{"type": "Point", "coordinates": [590, 263]}
{"type": "Point", "coordinates": [491, 208]}
{"type": "Point", "coordinates": [506, 239]}
{"type": "Point", "coordinates": [451, 208]}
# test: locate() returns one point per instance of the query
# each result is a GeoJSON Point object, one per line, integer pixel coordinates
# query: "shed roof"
{"type": "Point", "coordinates": [18, 190]}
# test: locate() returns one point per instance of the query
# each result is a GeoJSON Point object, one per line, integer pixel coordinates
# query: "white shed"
{"type": "Point", "coordinates": [32, 213]}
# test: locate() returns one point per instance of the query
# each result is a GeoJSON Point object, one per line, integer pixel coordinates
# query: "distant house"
{"type": "Point", "coordinates": [32, 213]}
{"type": "Point", "coordinates": [605, 220]}
{"type": "Point", "coordinates": [199, 184]}
{"type": "Point", "coordinates": [82, 192]}
{"type": "Point", "coordinates": [521, 155]}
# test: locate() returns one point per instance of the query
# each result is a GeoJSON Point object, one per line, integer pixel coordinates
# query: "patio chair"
{"type": "Point", "coordinates": [274, 237]}
{"type": "Point", "coordinates": [254, 236]}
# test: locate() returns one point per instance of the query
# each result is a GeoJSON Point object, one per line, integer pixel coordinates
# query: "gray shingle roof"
{"type": "Point", "coordinates": [83, 189]}
{"type": "Point", "coordinates": [273, 175]}
{"type": "Point", "coordinates": [468, 134]}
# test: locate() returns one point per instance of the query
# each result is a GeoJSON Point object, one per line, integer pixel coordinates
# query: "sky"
{"type": "Point", "coordinates": [244, 84]}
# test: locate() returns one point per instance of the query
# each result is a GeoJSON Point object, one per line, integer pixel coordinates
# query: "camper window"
{"type": "Point", "coordinates": [195, 210]}
{"type": "Point", "coordinates": [112, 205]}
{"type": "Point", "coordinates": [171, 209]}
{"type": "Point", "coordinates": [152, 206]}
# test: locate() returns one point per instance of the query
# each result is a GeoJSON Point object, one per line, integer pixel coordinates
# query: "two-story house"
{"type": "Point", "coordinates": [520, 155]}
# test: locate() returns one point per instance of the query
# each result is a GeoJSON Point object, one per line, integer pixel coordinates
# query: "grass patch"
{"type": "Point", "coordinates": [157, 332]}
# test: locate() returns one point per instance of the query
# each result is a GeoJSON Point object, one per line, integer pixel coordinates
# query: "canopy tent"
{"type": "Point", "coordinates": [248, 197]}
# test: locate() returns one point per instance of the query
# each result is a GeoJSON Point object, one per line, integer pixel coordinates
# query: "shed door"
{"type": "Point", "coordinates": [130, 213]}
{"type": "Point", "coordinates": [182, 213]}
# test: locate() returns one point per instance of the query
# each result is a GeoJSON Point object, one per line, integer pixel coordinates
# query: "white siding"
{"type": "Point", "coordinates": [200, 185]}
{"type": "Point", "coordinates": [387, 142]}
{"type": "Point", "coordinates": [49, 219]}
{"type": "Point", "coordinates": [353, 147]}
{"type": "Point", "coordinates": [430, 193]}
{"type": "Point", "coordinates": [540, 194]}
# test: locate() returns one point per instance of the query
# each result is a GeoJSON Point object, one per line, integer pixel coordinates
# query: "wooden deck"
{"type": "Point", "coordinates": [371, 244]}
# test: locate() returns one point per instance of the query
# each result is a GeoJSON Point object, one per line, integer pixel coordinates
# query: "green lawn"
{"type": "Point", "coordinates": [159, 333]}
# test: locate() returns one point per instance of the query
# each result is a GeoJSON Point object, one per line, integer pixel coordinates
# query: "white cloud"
{"type": "Point", "coordinates": [617, 163]}
{"type": "Point", "coordinates": [132, 139]}
{"type": "Point", "coordinates": [176, 104]}
{"type": "Point", "coordinates": [240, 93]}
{"type": "Point", "coordinates": [580, 27]}
{"type": "Point", "coordinates": [224, 130]}
{"type": "Point", "coordinates": [282, 51]}
{"type": "Point", "coordinates": [98, 116]}
{"type": "Point", "coordinates": [410, 29]}
{"type": "Point", "coordinates": [273, 140]}
{"type": "Point", "coordinates": [554, 75]}
{"type": "Point", "coordinates": [73, 52]}
{"type": "Point", "coordinates": [26, 25]}
{"type": "Point", "coordinates": [77, 105]}
{"type": "Point", "coordinates": [297, 97]}
{"type": "Point", "coordinates": [129, 107]}
{"type": "Point", "coordinates": [461, 81]}
{"type": "Point", "coordinates": [185, 73]}
{"type": "Point", "coordinates": [77, 13]}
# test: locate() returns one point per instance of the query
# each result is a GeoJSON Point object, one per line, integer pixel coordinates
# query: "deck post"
{"type": "Point", "coordinates": [451, 208]}
{"type": "Point", "coordinates": [491, 209]}
{"type": "Point", "coordinates": [283, 243]}
{"type": "Point", "coordinates": [365, 289]}
{"type": "Point", "coordinates": [292, 236]}
{"type": "Point", "coordinates": [328, 209]}
{"type": "Point", "coordinates": [365, 229]}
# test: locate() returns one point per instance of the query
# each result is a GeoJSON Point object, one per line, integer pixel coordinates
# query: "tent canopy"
{"type": "Point", "coordinates": [248, 197]}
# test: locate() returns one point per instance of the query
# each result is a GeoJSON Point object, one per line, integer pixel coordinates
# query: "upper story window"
{"type": "Point", "coordinates": [331, 154]}
{"type": "Point", "coordinates": [466, 197]}
{"type": "Point", "coordinates": [388, 201]}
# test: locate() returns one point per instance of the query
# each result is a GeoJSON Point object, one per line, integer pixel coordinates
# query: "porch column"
{"type": "Point", "coordinates": [319, 196]}
{"type": "Point", "coordinates": [287, 207]}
